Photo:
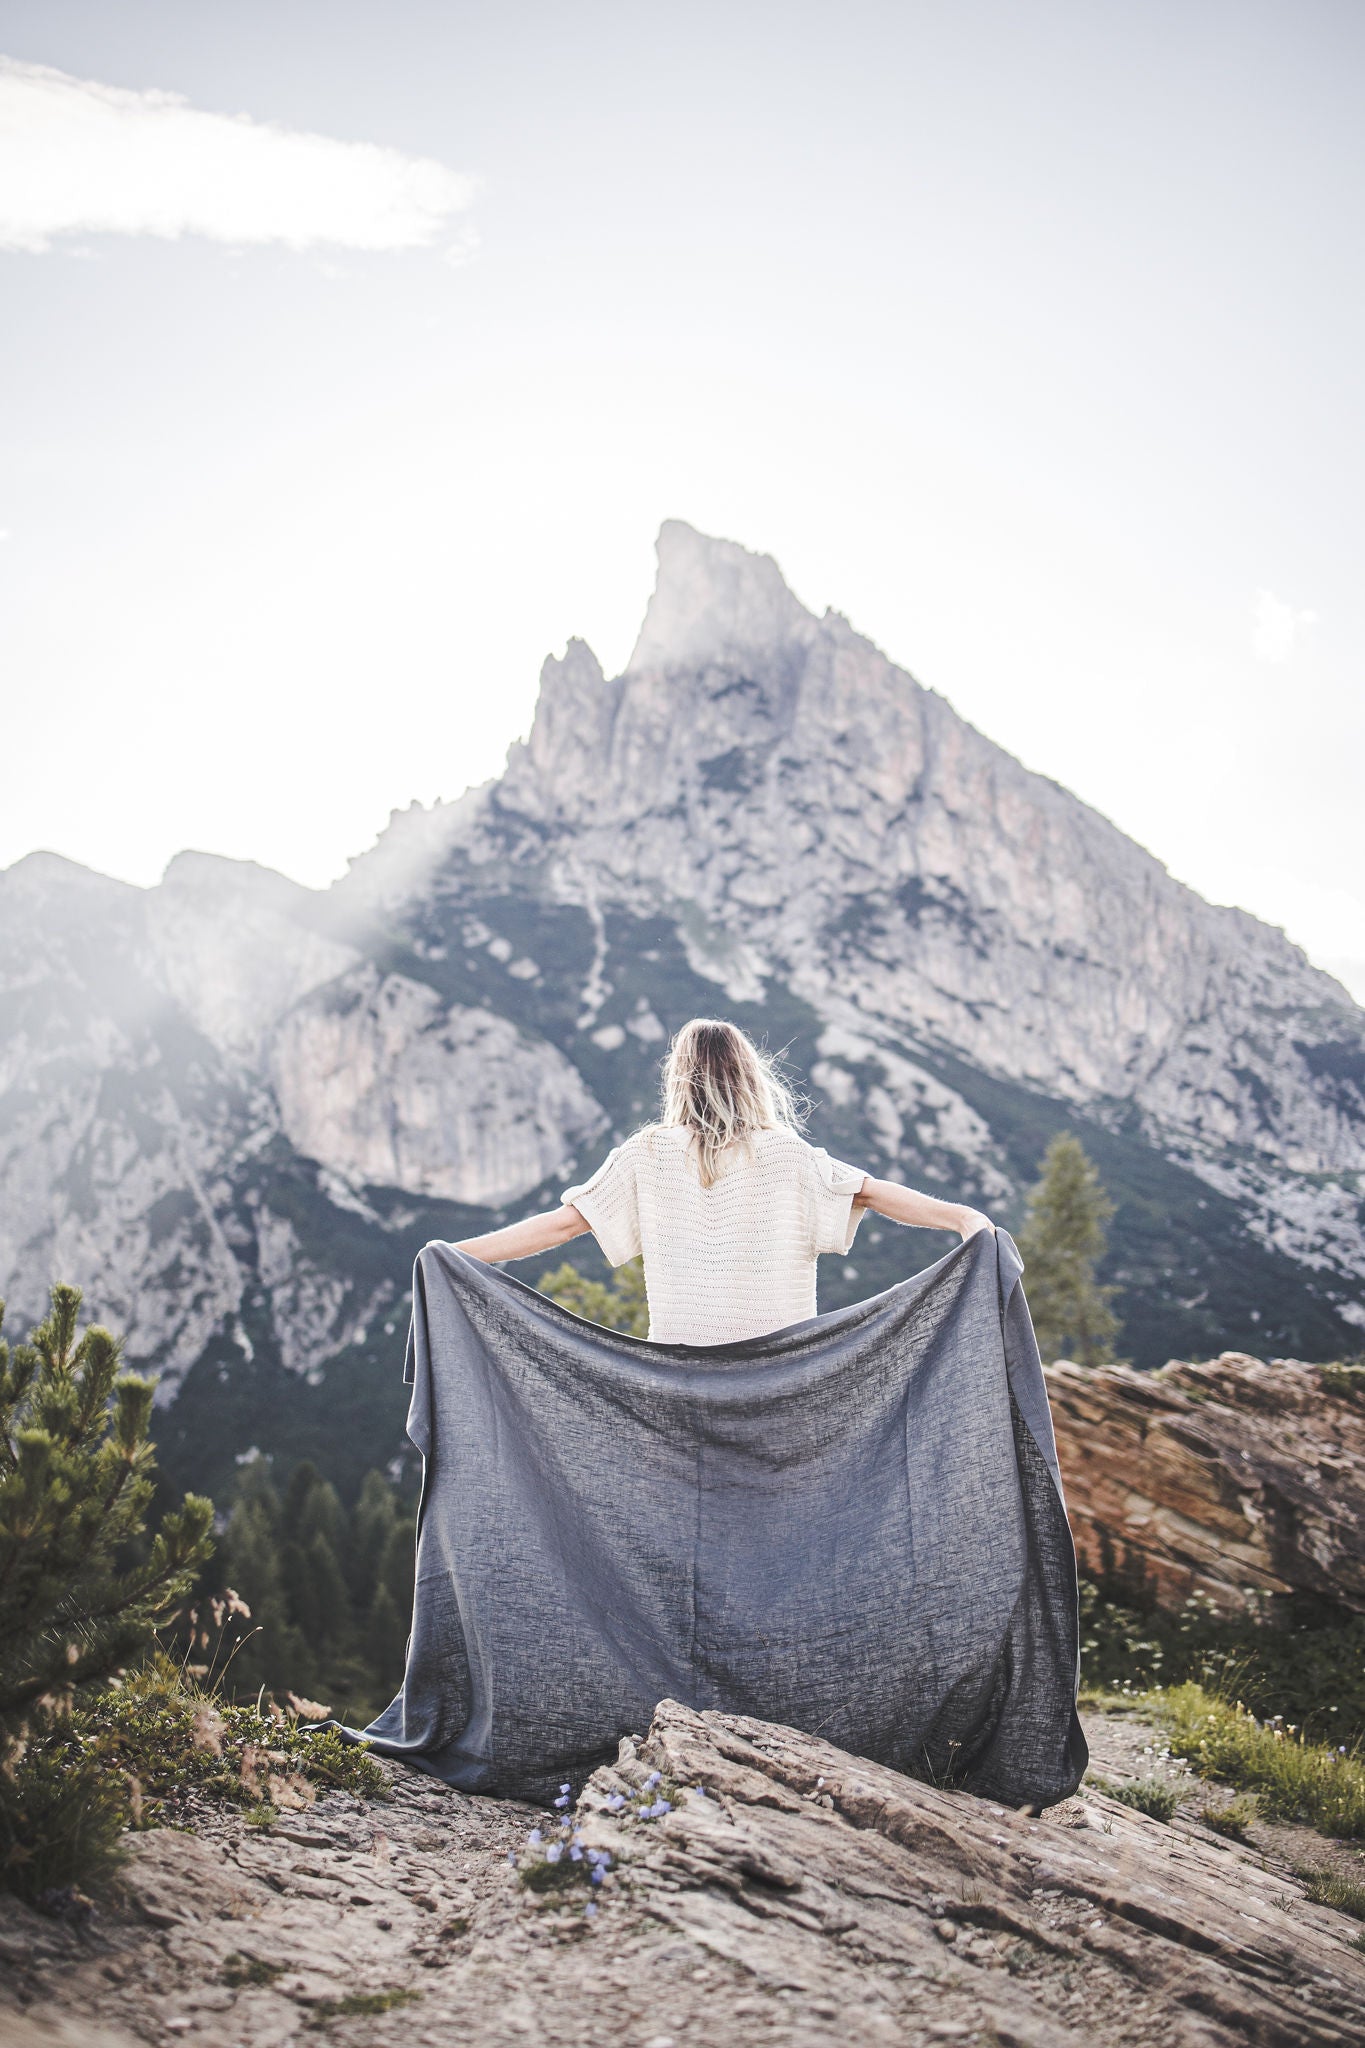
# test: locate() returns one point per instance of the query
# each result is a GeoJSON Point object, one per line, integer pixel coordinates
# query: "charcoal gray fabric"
{"type": "Point", "coordinates": [854, 1526]}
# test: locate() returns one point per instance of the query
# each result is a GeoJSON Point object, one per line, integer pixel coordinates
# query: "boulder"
{"type": "Point", "coordinates": [1240, 1480]}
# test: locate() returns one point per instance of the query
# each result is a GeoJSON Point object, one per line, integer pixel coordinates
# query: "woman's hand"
{"type": "Point", "coordinates": [973, 1223]}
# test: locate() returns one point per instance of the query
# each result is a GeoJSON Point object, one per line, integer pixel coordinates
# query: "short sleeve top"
{"type": "Point", "coordinates": [731, 1261]}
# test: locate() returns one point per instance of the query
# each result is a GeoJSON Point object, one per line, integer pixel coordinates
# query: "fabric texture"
{"type": "Point", "coordinates": [853, 1526]}
{"type": "Point", "coordinates": [731, 1261]}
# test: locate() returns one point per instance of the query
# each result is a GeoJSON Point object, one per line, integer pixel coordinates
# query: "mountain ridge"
{"type": "Point", "coordinates": [231, 1107]}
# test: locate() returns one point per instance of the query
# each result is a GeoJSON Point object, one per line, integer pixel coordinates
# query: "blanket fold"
{"type": "Point", "coordinates": [854, 1526]}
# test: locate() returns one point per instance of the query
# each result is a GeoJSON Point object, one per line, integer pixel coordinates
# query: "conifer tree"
{"type": "Point", "coordinates": [274, 1651]}
{"type": "Point", "coordinates": [619, 1304]}
{"type": "Point", "coordinates": [329, 1589]}
{"type": "Point", "coordinates": [376, 1516]}
{"type": "Point", "coordinates": [80, 1592]}
{"type": "Point", "coordinates": [1061, 1243]}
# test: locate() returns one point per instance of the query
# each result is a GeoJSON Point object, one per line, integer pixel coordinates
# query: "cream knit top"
{"type": "Point", "coordinates": [730, 1261]}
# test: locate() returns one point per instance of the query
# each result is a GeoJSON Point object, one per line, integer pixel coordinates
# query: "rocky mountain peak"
{"type": "Point", "coordinates": [218, 878]}
{"type": "Point", "coordinates": [50, 886]}
{"type": "Point", "coordinates": [731, 681]}
{"type": "Point", "coordinates": [571, 735]}
{"type": "Point", "coordinates": [716, 602]}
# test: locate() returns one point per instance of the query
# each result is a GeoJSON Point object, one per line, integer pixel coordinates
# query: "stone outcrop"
{"type": "Point", "coordinates": [803, 1898]}
{"type": "Point", "coordinates": [1239, 1481]}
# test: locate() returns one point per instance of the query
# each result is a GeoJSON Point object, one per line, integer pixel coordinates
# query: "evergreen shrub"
{"type": "Point", "coordinates": [82, 1587]}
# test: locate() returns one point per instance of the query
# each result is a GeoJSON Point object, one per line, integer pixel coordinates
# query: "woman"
{"type": "Point", "coordinates": [726, 1200]}
{"type": "Point", "coordinates": [850, 1524]}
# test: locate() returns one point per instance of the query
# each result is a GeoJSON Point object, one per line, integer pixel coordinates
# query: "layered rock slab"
{"type": "Point", "coordinates": [803, 1897]}
{"type": "Point", "coordinates": [1240, 1481]}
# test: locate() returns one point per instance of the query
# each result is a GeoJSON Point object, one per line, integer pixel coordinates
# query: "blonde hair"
{"type": "Point", "coordinates": [723, 1088]}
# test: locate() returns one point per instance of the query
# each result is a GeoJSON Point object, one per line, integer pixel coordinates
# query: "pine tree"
{"type": "Point", "coordinates": [274, 1651]}
{"type": "Point", "coordinates": [398, 1566]}
{"type": "Point", "coordinates": [80, 1589]}
{"type": "Point", "coordinates": [330, 1589]}
{"type": "Point", "coordinates": [620, 1304]}
{"type": "Point", "coordinates": [386, 1630]}
{"type": "Point", "coordinates": [1062, 1242]}
{"type": "Point", "coordinates": [319, 1599]}
{"type": "Point", "coordinates": [386, 1635]}
{"type": "Point", "coordinates": [375, 1517]}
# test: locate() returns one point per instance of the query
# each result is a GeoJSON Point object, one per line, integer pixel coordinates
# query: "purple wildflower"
{"type": "Point", "coordinates": [554, 1852]}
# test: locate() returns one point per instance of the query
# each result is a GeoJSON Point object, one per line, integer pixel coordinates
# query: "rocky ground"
{"type": "Point", "coordinates": [805, 1898]}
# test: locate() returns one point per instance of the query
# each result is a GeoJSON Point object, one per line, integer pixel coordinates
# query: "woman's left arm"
{"type": "Point", "coordinates": [522, 1240]}
{"type": "Point", "coordinates": [907, 1205]}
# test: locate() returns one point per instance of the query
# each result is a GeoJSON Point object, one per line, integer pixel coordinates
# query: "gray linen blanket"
{"type": "Point", "coordinates": [854, 1526]}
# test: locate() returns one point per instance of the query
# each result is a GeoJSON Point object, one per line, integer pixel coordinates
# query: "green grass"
{"type": "Point", "coordinates": [541, 1876]}
{"type": "Point", "coordinates": [359, 2002]}
{"type": "Point", "coordinates": [1313, 1676]}
{"type": "Point", "coordinates": [1152, 1796]}
{"type": "Point", "coordinates": [1232, 1819]}
{"type": "Point", "coordinates": [1330, 1888]}
{"type": "Point", "coordinates": [144, 1754]}
{"type": "Point", "coordinates": [1293, 1779]}
{"type": "Point", "coordinates": [173, 1741]}
{"type": "Point", "coordinates": [1347, 1380]}
{"type": "Point", "coordinates": [238, 1970]}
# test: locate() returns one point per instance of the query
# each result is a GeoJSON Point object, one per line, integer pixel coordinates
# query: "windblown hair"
{"type": "Point", "coordinates": [723, 1087]}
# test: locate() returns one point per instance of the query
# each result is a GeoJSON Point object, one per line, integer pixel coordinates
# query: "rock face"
{"type": "Point", "coordinates": [387, 1086]}
{"type": "Point", "coordinates": [232, 1109]}
{"type": "Point", "coordinates": [806, 1898]}
{"type": "Point", "coordinates": [1240, 1481]}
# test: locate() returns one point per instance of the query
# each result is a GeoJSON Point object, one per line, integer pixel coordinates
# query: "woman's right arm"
{"type": "Point", "coordinates": [906, 1205]}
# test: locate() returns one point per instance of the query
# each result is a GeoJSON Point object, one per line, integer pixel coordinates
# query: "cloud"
{"type": "Point", "coordinates": [1276, 628]}
{"type": "Point", "coordinates": [77, 157]}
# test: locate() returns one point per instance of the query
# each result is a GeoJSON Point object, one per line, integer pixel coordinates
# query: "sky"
{"type": "Point", "coordinates": [351, 357]}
